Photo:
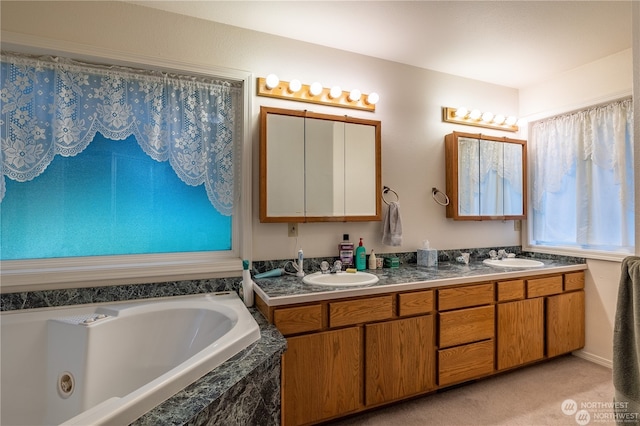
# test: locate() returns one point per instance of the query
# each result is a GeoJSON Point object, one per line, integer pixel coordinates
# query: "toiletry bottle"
{"type": "Point", "coordinates": [345, 251]}
{"type": "Point", "coordinates": [300, 268]}
{"type": "Point", "coordinates": [361, 257]}
{"type": "Point", "coordinates": [372, 260]}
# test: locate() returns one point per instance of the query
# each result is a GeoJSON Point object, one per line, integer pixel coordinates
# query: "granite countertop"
{"type": "Point", "coordinates": [288, 289]}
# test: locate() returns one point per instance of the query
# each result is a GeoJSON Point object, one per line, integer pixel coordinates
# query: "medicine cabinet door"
{"type": "Point", "coordinates": [486, 177]}
{"type": "Point", "coordinates": [318, 167]}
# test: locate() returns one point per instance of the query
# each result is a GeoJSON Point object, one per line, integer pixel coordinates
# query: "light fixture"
{"type": "Point", "coordinates": [354, 95]}
{"type": "Point", "coordinates": [315, 89]}
{"type": "Point", "coordinates": [272, 81]}
{"type": "Point", "coordinates": [295, 86]}
{"type": "Point", "coordinates": [372, 98]}
{"type": "Point", "coordinates": [479, 119]}
{"type": "Point", "coordinates": [271, 86]}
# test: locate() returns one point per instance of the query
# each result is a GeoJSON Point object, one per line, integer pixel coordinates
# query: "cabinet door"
{"type": "Point", "coordinates": [321, 376]}
{"type": "Point", "coordinates": [400, 358]}
{"type": "Point", "coordinates": [565, 323]}
{"type": "Point", "coordinates": [520, 332]}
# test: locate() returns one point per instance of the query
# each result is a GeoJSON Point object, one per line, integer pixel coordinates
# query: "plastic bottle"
{"type": "Point", "coordinates": [372, 260]}
{"type": "Point", "coordinates": [247, 284]}
{"type": "Point", "coordinates": [361, 257]}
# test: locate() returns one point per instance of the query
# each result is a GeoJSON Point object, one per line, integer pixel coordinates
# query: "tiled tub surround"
{"type": "Point", "coordinates": [245, 390]}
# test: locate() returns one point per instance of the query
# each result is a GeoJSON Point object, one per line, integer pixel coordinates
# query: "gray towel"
{"type": "Point", "coordinates": [392, 226]}
{"type": "Point", "coordinates": [626, 344]}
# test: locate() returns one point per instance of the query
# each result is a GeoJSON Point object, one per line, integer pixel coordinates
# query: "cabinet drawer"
{"type": "Point", "coordinates": [574, 281]}
{"type": "Point", "coordinates": [463, 297]}
{"type": "Point", "coordinates": [544, 286]}
{"type": "Point", "coordinates": [361, 310]}
{"type": "Point", "coordinates": [419, 302]}
{"type": "Point", "coordinates": [466, 325]}
{"type": "Point", "coordinates": [465, 362]}
{"type": "Point", "coordinates": [510, 290]}
{"type": "Point", "coordinates": [299, 319]}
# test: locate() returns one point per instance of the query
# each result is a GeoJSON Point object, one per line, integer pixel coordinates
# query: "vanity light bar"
{"type": "Point", "coordinates": [479, 119]}
{"type": "Point", "coordinates": [272, 87]}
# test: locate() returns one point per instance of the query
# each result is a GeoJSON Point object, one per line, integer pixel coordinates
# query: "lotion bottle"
{"type": "Point", "coordinates": [372, 260]}
{"type": "Point", "coordinates": [361, 257]}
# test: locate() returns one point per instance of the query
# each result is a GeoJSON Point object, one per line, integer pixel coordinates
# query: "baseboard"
{"type": "Point", "coordinates": [593, 358]}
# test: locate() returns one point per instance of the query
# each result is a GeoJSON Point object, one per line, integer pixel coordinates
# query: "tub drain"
{"type": "Point", "coordinates": [66, 384]}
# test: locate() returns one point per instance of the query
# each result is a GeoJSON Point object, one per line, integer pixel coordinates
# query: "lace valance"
{"type": "Point", "coordinates": [55, 106]}
{"type": "Point", "coordinates": [600, 134]}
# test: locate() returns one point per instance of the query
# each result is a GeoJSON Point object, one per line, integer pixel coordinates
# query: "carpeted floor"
{"type": "Point", "coordinates": [564, 391]}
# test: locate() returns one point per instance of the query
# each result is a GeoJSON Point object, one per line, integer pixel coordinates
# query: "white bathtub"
{"type": "Point", "coordinates": [110, 363]}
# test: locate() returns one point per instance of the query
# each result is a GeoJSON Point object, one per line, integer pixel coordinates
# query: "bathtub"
{"type": "Point", "coordinates": [110, 363]}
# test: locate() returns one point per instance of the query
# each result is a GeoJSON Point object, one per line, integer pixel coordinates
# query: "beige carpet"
{"type": "Point", "coordinates": [532, 396]}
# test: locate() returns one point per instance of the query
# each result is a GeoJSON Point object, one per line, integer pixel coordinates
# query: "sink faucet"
{"type": "Point", "coordinates": [502, 254]}
{"type": "Point", "coordinates": [337, 266]}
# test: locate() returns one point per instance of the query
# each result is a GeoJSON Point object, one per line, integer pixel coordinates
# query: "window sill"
{"type": "Point", "coordinates": [587, 254]}
{"type": "Point", "coordinates": [50, 274]}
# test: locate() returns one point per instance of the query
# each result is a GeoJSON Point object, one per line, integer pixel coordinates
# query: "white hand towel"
{"type": "Point", "coordinates": [392, 226]}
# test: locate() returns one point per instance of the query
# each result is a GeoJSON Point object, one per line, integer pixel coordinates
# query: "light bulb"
{"type": "Point", "coordinates": [373, 98]}
{"type": "Point", "coordinates": [294, 86]}
{"type": "Point", "coordinates": [315, 89]}
{"type": "Point", "coordinates": [475, 114]}
{"type": "Point", "coordinates": [335, 92]}
{"type": "Point", "coordinates": [272, 81]}
{"type": "Point", "coordinates": [487, 117]}
{"type": "Point", "coordinates": [511, 120]}
{"type": "Point", "coordinates": [354, 95]}
{"type": "Point", "coordinates": [499, 119]}
{"type": "Point", "coordinates": [461, 112]}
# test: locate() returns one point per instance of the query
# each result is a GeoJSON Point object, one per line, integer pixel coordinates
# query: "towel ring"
{"type": "Point", "coordinates": [444, 199]}
{"type": "Point", "coordinates": [387, 189]}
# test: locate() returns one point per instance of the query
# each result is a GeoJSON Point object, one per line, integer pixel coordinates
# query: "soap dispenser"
{"type": "Point", "coordinates": [361, 257]}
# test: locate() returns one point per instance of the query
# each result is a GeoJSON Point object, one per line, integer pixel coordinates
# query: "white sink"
{"type": "Point", "coordinates": [340, 279]}
{"type": "Point", "coordinates": [513, 262]}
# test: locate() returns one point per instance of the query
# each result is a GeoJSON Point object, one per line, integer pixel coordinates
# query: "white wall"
{"type": "Point", "coordinates": [597, 82]}
{"type": "Point", "coordinates": [409, 109]}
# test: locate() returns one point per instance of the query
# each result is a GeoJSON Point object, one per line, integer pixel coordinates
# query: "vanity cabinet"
{"type": "Point", "coordinates": [321, 376]}
{"type": "Point", "coordinates": [348, 355]}
{"type": "Point", "coordinates": [520, 326]}
{"type": "Point", "coordinates": [399, 360]}
{"type": "Point", "coordinates": [466, 333]}
{"type": "Point", "coordinates": [486, 177]}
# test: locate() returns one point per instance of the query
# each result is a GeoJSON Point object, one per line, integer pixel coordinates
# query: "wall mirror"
{"type": "Point", "coordinates": [486, 177]}
{"type": "Point", "coordinates": [318, 167]}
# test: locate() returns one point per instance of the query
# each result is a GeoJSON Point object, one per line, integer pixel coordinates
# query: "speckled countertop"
{"type": "Point", "coordinates": [290, 289]}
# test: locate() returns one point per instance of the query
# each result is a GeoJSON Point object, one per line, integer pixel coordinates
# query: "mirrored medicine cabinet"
{"type": "Point", "coordinates": [318, 167]}
{"type": "Point", "coordinates": [486, 177]}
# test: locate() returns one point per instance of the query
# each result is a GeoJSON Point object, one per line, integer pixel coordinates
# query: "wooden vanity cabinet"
{"type": "Point", "coordinates": [399, 359]}
{"type": "Point", "coordinates": [321, 376]}
{"type": "Point", "coordinates": [466, 333]}
{"type": "Point", "coordinates": [347, 355]}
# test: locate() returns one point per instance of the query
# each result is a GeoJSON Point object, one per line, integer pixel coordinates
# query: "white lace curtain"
{"type": "Point", "coordinates": [55, 106]}
{"type": "Point", "coordinates": [582, 177]}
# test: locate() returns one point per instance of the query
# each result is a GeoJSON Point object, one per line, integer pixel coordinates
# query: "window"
{"type": "Point", "coordinates": [110, 161]}
{"type": "Point", "coordinates": [582, 183]}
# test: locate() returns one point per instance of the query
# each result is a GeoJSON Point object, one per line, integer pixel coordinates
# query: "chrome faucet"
{"type": "Point", "coordinates": [337, 266]}
{"type": "Point", "coordinates": [502, 254]}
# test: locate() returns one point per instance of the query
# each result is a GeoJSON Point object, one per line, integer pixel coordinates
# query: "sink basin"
{"type": "Point", "coordinates": [513, 262]}
{"type": "Point", "coordinates": [341, 279]}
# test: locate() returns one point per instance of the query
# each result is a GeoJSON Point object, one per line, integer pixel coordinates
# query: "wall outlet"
{"type": "Point", "coordinates": [517, 225]}
{"type": "Point", "coordinates": [293, 230]}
